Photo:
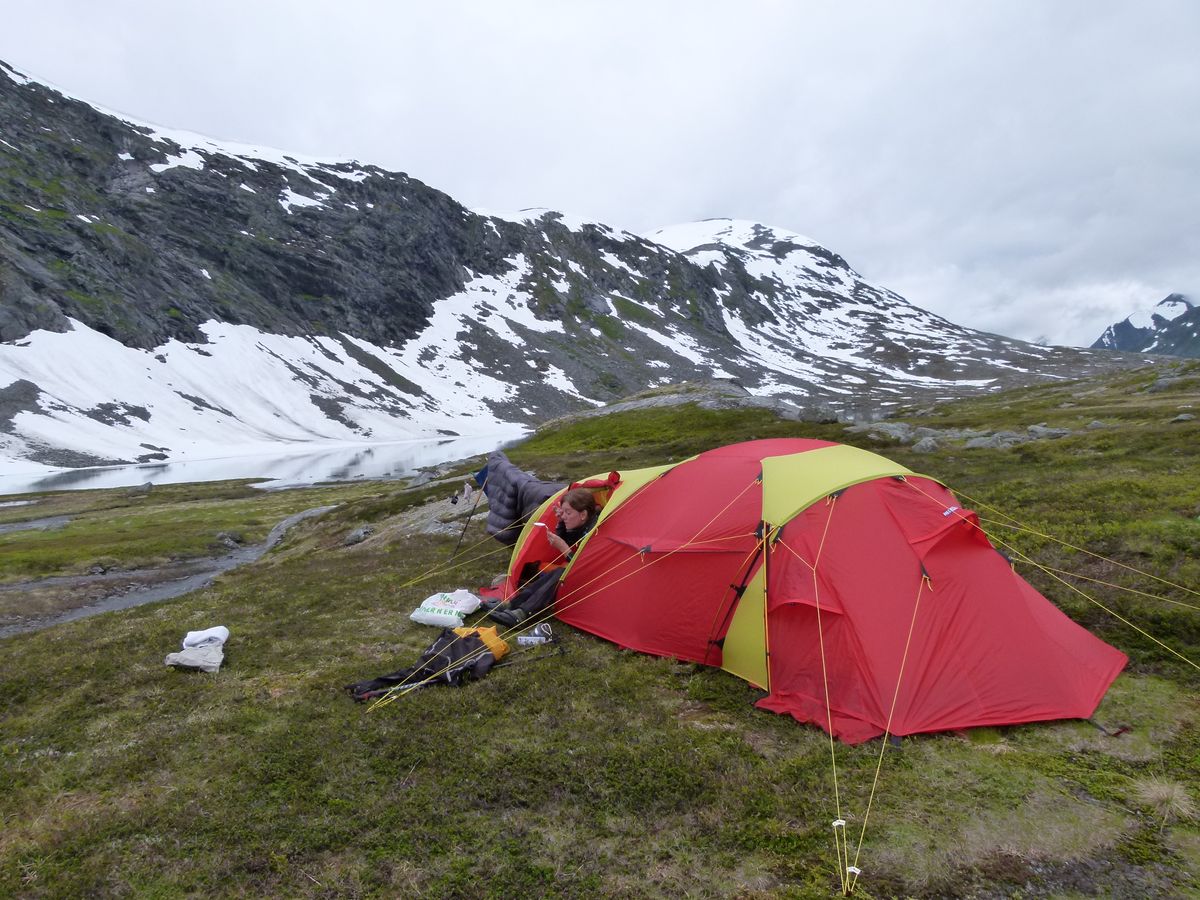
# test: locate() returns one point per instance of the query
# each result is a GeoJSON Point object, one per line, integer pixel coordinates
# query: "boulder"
{"type": "Point", "coordinates": [358, 535]}
{"type": "Point", "coordinates": [1043, 431]}
{"type": "Point", "coordinates": [896, 431]}
{"type": "Point", "coordinates": [230, 540]}
{"type": "Point", "coordinates": [1001, 440]}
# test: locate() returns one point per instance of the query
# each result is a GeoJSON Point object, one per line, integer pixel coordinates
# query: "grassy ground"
{"type": "Point", "coordinates": [596, 772]}
{"type": "Point", "coordinates": [132, 528]}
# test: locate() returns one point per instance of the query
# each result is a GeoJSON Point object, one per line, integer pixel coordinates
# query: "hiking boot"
{"type": "Point", "coordinates": [509, 618]}
{"type": "Point", "coordinates": [490, 603]}
{"type": "Point", "coordinates": [502, 617]}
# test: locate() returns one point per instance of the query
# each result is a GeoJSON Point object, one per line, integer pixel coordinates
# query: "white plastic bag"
{"type": "Point", "coordinates": [446, 610]}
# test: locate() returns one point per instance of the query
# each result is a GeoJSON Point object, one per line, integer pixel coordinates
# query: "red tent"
{"type": "Point", "coordinates": [859, 595]}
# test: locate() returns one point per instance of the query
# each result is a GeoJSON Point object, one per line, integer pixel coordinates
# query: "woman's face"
{"type": "Point", "coordinates": [571, 517]}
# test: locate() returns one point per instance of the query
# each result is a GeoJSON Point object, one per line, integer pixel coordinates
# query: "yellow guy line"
{"type": "Point", "coordinates": [397, 691]}
{"type": "Point", "coordinates": [839, 824]}
{"type": "Point", "coordinates": [450, 565]}
{"type": "Point", "coordinates": [691, 542]}
{"type": "Point", "coordinates": [1091, 599]}
{"type": "Point", "coordinates": [1019, 526]}
{"type": "Point", "coordinates": [887, 731]}
{"type": "Point", "coordinates": [401, 689]}
{"type": "Point", "coordinates": [404, 687]}
{"type": "Point", "coordinates": [438, 570]}
{"type": "Point", "coordinates": [1053, 574]}
{"type": "Point", "coordinates": [1119, 587]}
{"type": "Point", "coordinates": [746, 560]}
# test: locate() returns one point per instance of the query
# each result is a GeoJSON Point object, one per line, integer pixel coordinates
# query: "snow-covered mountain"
{"type": "Point", "coordinates": [1170, 327]}
{"type": "Point", "coordinates": [166, 296]}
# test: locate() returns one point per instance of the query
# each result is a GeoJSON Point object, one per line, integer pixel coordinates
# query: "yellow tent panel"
{"type": "Point", "coordinates": [745, 650]}
{"type": "Point", "coordinates": [792, 483]}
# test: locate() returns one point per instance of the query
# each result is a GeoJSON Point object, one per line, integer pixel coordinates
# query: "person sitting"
{"type": "Point", "coordinates": [577, 513]}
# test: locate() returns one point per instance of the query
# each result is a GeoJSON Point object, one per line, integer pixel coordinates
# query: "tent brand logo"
{"type": "Point", "coordinates": [950, 511]}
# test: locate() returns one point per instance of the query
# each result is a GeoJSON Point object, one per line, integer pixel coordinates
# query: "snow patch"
{"type": "Point", "coordinates": [244, 391]}
{"type": "Point", "coordinates": [730, 232]}
{"type": "Point", "coordinates": [16, 76]}
{"type": "Point", "coordinates": [289, 198]}
{"type": "Point", "coordinates": [535, 215]}
{"type": "Point", "coordinates": [188, 159]}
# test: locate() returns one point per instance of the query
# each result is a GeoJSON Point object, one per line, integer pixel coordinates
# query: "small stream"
{"type": "Point", "coordinates": [208, 570]}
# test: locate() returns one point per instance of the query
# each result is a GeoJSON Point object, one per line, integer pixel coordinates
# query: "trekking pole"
{"type": "Point", "coordinates": [470, 515]}
{"type": "Point", "coordinates": [557, 650]}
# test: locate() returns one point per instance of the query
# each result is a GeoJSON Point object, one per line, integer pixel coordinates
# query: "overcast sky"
{"type": "Point", "coordinates": [1026, 167]}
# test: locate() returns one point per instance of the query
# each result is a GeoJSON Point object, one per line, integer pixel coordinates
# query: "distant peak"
{"type": "Point", "coordinates": [1177, 299]}
{"type": "Point", "coordinates": [741, 233]}
{"type": "Point", "coordinates": [1167, 309]}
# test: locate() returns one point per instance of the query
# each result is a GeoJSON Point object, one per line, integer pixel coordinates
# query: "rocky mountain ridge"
{"type": "Point", "coordinates": [166, 296]}
{"type": "Point", "coordinates": [1170, 328]}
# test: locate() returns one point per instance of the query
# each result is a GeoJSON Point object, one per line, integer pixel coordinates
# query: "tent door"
{"type": "Point", "coordinates": [745, 642]}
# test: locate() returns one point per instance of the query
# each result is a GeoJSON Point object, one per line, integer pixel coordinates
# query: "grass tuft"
{"type": "Point", "coordinates": [1165, 798]}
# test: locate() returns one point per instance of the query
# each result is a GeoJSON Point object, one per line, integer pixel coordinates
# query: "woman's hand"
{"type": "Point", "coordinates": [558, 543]}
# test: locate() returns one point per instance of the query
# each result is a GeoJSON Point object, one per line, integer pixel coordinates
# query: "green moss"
{"type": "Point", "coordinates": [51, 189]}
{"type": "Point", "coordinates": [85, 300]}
{"type": "Point", "coordinates": [633, 312]}
{"type": "Point", "coordinates": [610, 327]}
{"type": "Point", "coordinates": [1144, 848]}
{"type": "Point", "coordinates": [106, 228]}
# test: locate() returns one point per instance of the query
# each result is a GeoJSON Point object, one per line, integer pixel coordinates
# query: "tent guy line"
{"type": "Point", "coordinates": [840, 843]}
{"type": "Point", "coordinates": [1115, 615]}
{"type": "Point", "coordinates": [1020, 526]}
{"type": "Point", "coordinates": [403, 688]}
{"type": "Point", "coordinates": [883, 743]}
{"type": "Point", "coordinates": [1116, 587]}
{"type": "Point", "coordinates": [1024, 557]}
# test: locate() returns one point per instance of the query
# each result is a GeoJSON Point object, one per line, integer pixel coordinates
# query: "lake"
{"type": "Point", "coordinates": [283, 469]}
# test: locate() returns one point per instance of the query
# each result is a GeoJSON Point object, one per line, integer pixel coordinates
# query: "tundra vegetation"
{"type": "Point", "coordinates": [597, 771]}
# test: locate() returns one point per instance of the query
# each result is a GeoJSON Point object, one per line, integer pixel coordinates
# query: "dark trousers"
{"type": "Point", "coordinates": [537, 593]}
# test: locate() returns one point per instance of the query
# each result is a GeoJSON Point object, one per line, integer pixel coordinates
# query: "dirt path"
{"type": "Point", "coordinates": [65, 598]}
{"type": "Point", "coordinates": [36, 524]}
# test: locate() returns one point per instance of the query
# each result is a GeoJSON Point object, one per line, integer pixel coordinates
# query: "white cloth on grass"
{"type": "Point", "coordinates": [199, 638]}
{"type": "Point", "coordinates": [203, 650]}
